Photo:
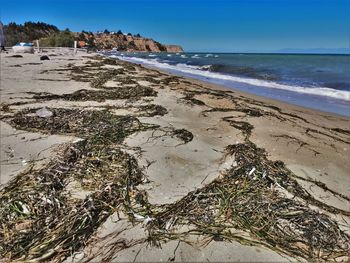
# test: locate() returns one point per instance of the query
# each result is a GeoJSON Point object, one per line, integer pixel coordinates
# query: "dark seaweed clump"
{"type": "Point", "coordinates": [99, 126]}
{"type": "Point", "coordinates": [184, 135]}
{"type": "Point", "coordinates": [101, 95]}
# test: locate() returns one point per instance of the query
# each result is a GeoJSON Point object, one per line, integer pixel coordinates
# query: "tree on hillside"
{"type": "Point", "coordinates": [91, 41]}
{"type": "Point", "coordinates": [131, 45]}
{"type": "Point", "coordinates": [106, 32]}
{"type": "Point", "coordinates": [119, 32]}
{"type": "Point", "coordinates": [27, 32]}
{"type": "Point", "coordinates": [82, 37]}
{"type": "Point", "coordinates": [122, 47]}
{"type": "Point", "coordinates": [160, 46]}
{"type": "Point", "coordinates": [137, 35]}
{"type": "Point", "coordinates": [65, 38]}
{"type": "Point", "coordinates": [129, 34]}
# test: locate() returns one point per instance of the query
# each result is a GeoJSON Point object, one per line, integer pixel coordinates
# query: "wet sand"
{"type": "Point", "coordinates": [184, 148]}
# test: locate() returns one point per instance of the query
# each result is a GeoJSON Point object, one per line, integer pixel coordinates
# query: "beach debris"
{"type": "Point", "coordinates": [144, 219]}
{"type": "Point", "coordinates": [4, 107]}
{"type": "Point", "coordinates": [147, 220]}
{"type": "Point", "coordinates": [139, 217]}
{"type": "Point", "coordinates": [44, 57]}
{"type": "Point", "coordinates": [251, 171]}
{"type": "Point", "coordinates": [16, 56]}
{"type": "Point", "coordinates": [170, 223]}
{"type": "Point", "coordinates": [189, 98]}
{"type": "Point", "coordinates": [98, 126]}
{"type": "Point", "coordinates": [21, 208]}
{"type": "Point", "coordinates": [134, 93]}
{"type": "Point", "coordinates": [60, 224]}
{"type": "Point", "coordinates": [150, 78]}
{"type": "Point", "coordinates": [239, 202]}
{"type": "Point", "coordinates": [44, 113]}
{"type": "Point", "coordinates": [244, 126]}
{"type": "Point", "coordinates": [184, 135]}
{"type": "Point", "coordinates": [151, 110]}
{"type": "Point", "coordinates": [104, 76]}
{"type": "Point", "coordinates": [170, 80]}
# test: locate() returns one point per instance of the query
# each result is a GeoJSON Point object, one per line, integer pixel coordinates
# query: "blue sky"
{"type": "Point", "coordinates": [201, 25]}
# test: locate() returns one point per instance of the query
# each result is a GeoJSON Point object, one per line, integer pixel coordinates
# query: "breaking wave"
{"type": "Point", "coordinates": [209, 71]}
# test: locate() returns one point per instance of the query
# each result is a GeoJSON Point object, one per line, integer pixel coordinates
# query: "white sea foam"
{"type": "Point", "coordinates": [198, 71]}
{"type": "Point", "coordinates": [205, 67]}
{"type": "Point", "coordinates": [152, 55]}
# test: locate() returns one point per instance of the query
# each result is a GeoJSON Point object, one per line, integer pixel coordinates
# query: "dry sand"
{"type": "Point", "coordinates": [314, 145]}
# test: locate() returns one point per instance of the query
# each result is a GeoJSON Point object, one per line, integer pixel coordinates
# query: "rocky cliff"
{"type": "Point", "coordinates": [173, 48]}
{"type": "Point", "coordinates": [131, 43]}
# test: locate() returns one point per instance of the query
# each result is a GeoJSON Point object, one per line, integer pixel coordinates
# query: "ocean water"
{"type": "Point", "coordinates": [316, 81]}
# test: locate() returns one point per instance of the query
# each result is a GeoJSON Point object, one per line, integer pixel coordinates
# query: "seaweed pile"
{"type": "Point", "coordinates": [258, 196]}
{"type": "Point", "coordinates": [181, 134]}
{"type": "Point", "coordinates": [104, 76]}
{"type": "Point", "coordinates": [100, 93]}
{"type": "Point", "coordinates": [189, 98]}
{"type": "Point", "coordinates": [151, 110]}
{"type": "Point", "coordinates": [100, 96]}
{"type": "Point", "coordinates": [251, 197]}
{"type": "Point", "coordinates": [99, 126]}
{"type": "Point", "coordinates": [38, 217]}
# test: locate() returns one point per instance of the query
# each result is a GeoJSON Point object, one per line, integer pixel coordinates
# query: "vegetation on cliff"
{"type": "Point", "coordinates": [27, 32]}
{"type": "Point", "coordinates": [63, 38]}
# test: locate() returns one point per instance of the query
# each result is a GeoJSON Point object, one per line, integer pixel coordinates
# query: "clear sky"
{"type": "Point", "coordinates": [200, 25]}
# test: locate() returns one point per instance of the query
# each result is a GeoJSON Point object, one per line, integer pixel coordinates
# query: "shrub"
{"type": "Point", "coordinates": [62, 39]}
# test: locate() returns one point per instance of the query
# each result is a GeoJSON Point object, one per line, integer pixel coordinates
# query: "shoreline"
{"type": "Point", "coordinates": [288, 93]}
{"type": "Point", "coordinates": [247, 94]}
{"type": "Point", "coordinates": [126, 156]}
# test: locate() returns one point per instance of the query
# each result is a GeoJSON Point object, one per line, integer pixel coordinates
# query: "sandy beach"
{"type": "Point", "coordinates": [107, 161]}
